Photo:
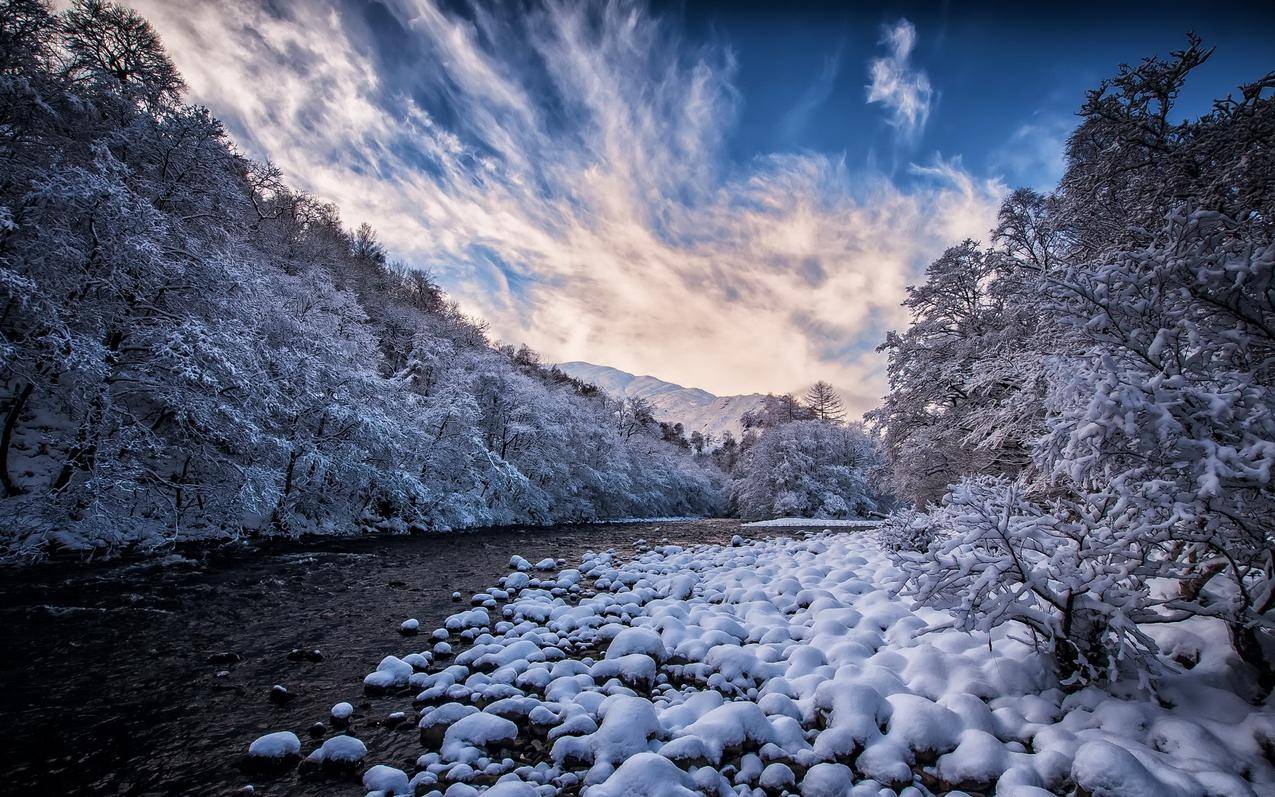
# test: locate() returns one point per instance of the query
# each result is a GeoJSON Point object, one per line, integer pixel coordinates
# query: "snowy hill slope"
{"type": "Point", "coordinates": [697, 410]}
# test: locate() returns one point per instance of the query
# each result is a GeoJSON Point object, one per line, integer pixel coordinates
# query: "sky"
{"type": "Point", "coordinates": [727, 195]}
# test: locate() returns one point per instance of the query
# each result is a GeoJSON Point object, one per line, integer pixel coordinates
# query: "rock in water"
{"type": "Point", "coordinates": [274, 751]}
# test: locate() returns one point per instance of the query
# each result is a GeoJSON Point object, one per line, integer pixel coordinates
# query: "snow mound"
{"type": "Point", "coordinates": [384, 780]}
{"type": "Point", "coordinates": [645, 775]}
{"type": "Point", "coordinates": [339, 752]}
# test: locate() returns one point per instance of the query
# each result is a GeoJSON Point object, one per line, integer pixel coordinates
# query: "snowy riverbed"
{"type": "Point", "coordinates": [811, 523]}
{"type": "Point", "coordinates": [770, 667]}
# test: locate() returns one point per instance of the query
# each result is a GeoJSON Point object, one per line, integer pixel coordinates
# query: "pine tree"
{"type": "Point", "coordinates": [824, 402]}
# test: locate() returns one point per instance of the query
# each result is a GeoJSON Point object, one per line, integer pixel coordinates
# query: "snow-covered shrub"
{"type": "Point", "coordinates": [1076, 577]}
{"type": "Point", "coordinates": [905, 530]}
{"type": "Point", "coordinates": [1169, 408]}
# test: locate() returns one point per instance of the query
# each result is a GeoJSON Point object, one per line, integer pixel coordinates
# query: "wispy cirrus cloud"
{"type": "Point", "coordinates": [815, 95]}
{"type": "Point", "coordinates": [895, 83]}
{"type": "Point", "coordinates": [561, 169]}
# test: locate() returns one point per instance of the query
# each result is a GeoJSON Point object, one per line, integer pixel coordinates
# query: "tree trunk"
{"type": "Point", "coordinates": [1081, 644]}
{"type": "Point", "coordinates": [1248, 644]}
{"type": "Point", "coordinates": [6, 438]}
{"type": "Point", "coordinates": [277, 519]}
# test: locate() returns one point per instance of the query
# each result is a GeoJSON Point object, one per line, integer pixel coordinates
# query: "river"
{"type": "Point", "coordinates": [151, 677]}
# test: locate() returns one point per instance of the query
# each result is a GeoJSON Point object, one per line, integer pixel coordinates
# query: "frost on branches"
{"type": "Point", "coordinates": [1104, 407]}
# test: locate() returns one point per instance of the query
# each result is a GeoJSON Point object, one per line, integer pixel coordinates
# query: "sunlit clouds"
{"type": "Point", "coordinates": [562, 173]}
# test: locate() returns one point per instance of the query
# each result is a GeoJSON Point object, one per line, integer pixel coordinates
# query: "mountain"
{"type": "Point", "coordinates": [697, 410]}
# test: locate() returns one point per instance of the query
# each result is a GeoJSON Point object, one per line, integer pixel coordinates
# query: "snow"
{"type": "Point", "coordinates": [637, 640]}
{"type": "Point", "coordinates": [342, 711]}
{"type": "Point", "coordinates": [805, 522]}
{"type": "Point", "coordinates": [645, 775]}
{"type": "Point", "coordinates": [275, 745]}
{"type": "Point", "coordinates": [385, 780]}
{"type": "Point", "coordinates": [697, 410]}
{"type": "Point", "coordinates": [793, 665]}
{"type": "Point", "coordinates": [341, 751]}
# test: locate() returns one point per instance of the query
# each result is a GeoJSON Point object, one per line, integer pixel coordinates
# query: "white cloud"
{"type": "Point", "coordinates": [578, 198]}
{"type": "Point", "coordinates": [896, 84]}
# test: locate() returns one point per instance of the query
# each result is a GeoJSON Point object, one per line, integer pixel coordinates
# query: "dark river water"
{"type": "Point", "coordinates": [111, 680]}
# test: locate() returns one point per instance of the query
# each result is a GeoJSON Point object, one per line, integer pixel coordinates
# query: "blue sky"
{"type": "Point", "coordinates": [995, 69]}
{"type": "Point", "coordinates": [731, 195]}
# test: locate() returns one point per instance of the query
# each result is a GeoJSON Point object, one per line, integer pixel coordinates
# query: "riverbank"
{"type": "Point", "coordinates": [145, 677]}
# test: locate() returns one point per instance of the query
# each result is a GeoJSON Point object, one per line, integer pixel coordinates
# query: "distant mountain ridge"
{"type": "Point", "coordinates": [697, 410]}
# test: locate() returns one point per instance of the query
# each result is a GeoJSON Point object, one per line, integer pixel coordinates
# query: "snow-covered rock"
{"type": "Point", "coordinates": [274, 746]}
{"type": "Point", "coordinates": [1104, 769]}
{"type": "Point", "coordinates": [386, 780]}
{"type": "Point", "coordinates": [391, 673]}
{"type": "Point", "coordinates": [340, 753]}
{"type": "Point", "coordinates": [512, 788]}
{"type": "Point", "coordinates": [470, 734]}
{"type": "Point", "coordinates": [645, 775]}
{"type": "Point", "coordinates": [827, 780]}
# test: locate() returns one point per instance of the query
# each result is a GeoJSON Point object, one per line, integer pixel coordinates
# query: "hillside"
{"type": "Point", "coordinates": [697, 410]}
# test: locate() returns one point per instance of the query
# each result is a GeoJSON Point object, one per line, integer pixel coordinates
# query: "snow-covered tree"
{"type": "Point", "coordinates": [822, 400]}
{"type": "Point", "coordinates": [1135, 486]}
{"type": "Point", "coordinates": [965, 393]}
{"type": "Point", "coordinates": [806, 469]}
